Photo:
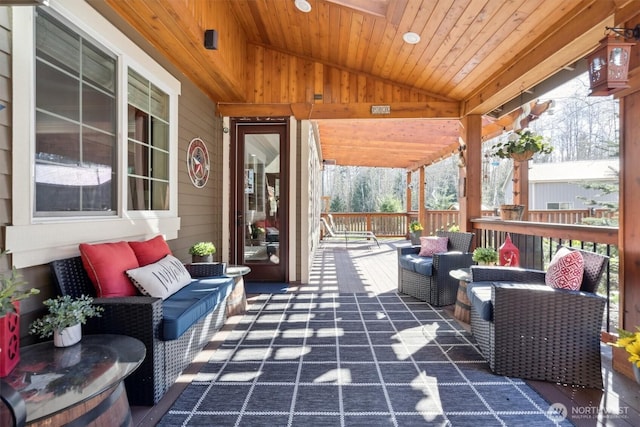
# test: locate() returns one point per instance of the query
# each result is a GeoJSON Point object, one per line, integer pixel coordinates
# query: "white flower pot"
{"type": "Point", "coordinates": [67, 336]}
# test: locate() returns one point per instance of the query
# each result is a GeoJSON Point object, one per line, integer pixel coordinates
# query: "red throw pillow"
{"type": "Point", "coordinates": [433, 245]}
{"type": "Point", "coordinates": [150, 251]}
{"type": "Point", "coordinates": [565, 270]}
{"type": "Point", "coordinates": [106, 265]}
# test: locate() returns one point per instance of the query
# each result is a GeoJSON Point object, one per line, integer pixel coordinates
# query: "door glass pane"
{"type": "Point", "coordinates": [262, 199]}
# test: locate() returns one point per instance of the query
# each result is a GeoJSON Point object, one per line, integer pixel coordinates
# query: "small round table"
{"type": "Point", "coordinates": [237, 302]}
{"type": "Point", "coordinates": [77, 385]}
{"type": "Point", "coordinates": [462, 310]}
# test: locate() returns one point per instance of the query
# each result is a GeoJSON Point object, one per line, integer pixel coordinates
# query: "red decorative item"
{"type": "Point", "coordinates": [509, 255]}
{"type": "Point", "coordinates": [9, 341]}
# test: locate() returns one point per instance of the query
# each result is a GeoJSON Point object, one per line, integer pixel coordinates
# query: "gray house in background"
{"type": "Point", "coordinates": [558, 185]}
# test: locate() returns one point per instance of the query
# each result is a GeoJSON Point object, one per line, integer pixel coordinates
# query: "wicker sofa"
{"type": "Point", "coordinates": [143, 317]}
{"type": "Point", "coordinates": [427, 278]}
{"type": "Point", "coordinates": [526, 329]}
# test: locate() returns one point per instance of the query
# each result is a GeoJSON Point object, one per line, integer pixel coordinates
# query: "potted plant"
{"type": "Point", "coordinates": [64, 320]}
{"type": "Point", "coordinates": [521, 145]}
{"type": "Point", "coordinates": [415, 231]}
{"type": "Point", "coordinates": [485, 256]}
{"type": "Point", "coordinates": [630, 341]}
{"type": "Point", "coordinates": [11, 293]}
{"type": "Point", "coordinates": [257, 233]}
{"type": "Point", "coordinates": [202, 252]}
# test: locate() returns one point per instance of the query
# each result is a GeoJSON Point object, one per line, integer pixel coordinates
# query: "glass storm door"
{"type": "Point", "coordinates": [261, 200]}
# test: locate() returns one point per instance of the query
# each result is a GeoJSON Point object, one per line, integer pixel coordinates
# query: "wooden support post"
{"type": "Point", "coordinates": [470, 188]}
{"type": "Point", "coordinates": [521, 186]}
{"type": "Point", "coordinates": [409, 195]}
{"type": "Point", "coordinates": [421, 212]}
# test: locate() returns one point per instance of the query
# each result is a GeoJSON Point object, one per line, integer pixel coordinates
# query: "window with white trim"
{"type": "Point", "coordinates": [76, 163]}
{"type": "Point", "coordinates": [70, 78]}
{"type": "Point", "coordinates": [75, 122]}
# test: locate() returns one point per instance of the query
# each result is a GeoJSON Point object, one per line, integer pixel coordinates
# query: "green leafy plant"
{"type": "Point", "coordinates": [485, 255]}
{"type": "Point", "coordinates": [64, 312]}
{"type": "Point", "coordinates": [10, 291]}
{"type": "Point", "coordinates": [415, 226]}
{"type": "Point", "coordinates": [202, 249]}
{"type": "Point", "coordinates": [520, 144]}
{"type": "Point", "coordinates": [630, 341]}
{"type": "Point", "coordinates": [257, 232]}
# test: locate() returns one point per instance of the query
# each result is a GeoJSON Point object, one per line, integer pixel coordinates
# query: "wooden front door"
{"type": "Point", "coordinates": [260, 199]}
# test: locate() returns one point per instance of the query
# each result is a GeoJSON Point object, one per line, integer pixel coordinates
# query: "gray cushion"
{"type": "Point", "coordinates": [479, 294]}
{"type": "Point", "coordinates": [418, 264]}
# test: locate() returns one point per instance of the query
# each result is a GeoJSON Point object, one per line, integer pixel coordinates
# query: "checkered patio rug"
{"type": "Point", "coordinates": [305, 359]}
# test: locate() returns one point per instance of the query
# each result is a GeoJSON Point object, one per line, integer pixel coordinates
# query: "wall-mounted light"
{"type": "Point", "coordinates": [211, 39]}
{"type": "Point", "coordinates": [627, 33]}
{"type": "Point", "coordinates": [609, 63]}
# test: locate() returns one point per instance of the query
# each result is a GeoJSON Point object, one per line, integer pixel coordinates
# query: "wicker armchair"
{"type": "Point", "coordinates": [438, 288]}
{"type": "Point", "coordinates": [140, 317]}
{"type": "Point", "coordinates": [526, 329]}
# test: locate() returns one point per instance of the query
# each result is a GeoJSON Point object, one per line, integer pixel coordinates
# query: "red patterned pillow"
{"type": "Point", "coordinates": [565, 270]}
{"type": "Point", "coordinates": [106, 265]}
{"type": "Point", "coordinates": [433, 245]}
{"type": "Point", "coordinates": [150, 251]}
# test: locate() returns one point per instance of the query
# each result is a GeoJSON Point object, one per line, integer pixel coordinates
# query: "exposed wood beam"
{"type": "Point", "coordinates": [564, 45]}
{"type": "Point", "coordinates": [254, 110]}
{"type": "Point", "coordinates": [399, 110]}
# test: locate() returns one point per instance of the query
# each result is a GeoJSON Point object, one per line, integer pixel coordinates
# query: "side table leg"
{"type": "Point", "coordinates": [237, 302]}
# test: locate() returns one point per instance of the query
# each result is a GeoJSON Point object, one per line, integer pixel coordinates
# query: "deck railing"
{"type": "Point", "coordinates": [536, 240]}
{"type": "Point", "coordinates": [397, 224]}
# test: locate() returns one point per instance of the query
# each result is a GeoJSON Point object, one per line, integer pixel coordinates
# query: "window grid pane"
{"type": "Point", "coordinates": [75, 160]}
{"type": "Point", "coordinates": [148, 152]}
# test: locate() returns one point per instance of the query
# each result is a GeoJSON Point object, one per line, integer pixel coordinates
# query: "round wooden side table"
{"type": "Point", "coordinates": [237, 302]}
{"type": "Point", "coordinates": [462, 310]}
{"type": "Point", "coordinates": [80, 385]}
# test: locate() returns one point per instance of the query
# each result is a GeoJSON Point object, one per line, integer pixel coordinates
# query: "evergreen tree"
{"type": "Point", "coordinates": [390, 204]}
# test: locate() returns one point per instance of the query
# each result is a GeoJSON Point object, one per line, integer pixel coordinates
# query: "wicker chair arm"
{"type": "Point", "coordinates": [506, 274]}
{"type": "Point", "coordinates": [137, 316]}
{"type": "Point", "coordinates": [406, 250]}
{"type": "Point", "coordinates": [544, 312]}
{"type": "Point", "coordinates": [206, 269]}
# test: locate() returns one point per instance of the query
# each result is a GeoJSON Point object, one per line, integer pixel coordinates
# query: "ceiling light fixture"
{"type": "Point", "coordinates": [411, 37]}
{"type": "Point", "coordinates": [303, 6]}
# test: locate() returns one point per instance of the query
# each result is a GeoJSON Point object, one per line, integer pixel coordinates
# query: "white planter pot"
{"type": "Point", "coordinates": [67, 336]}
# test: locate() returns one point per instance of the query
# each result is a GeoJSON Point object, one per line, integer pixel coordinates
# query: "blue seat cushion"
{"type": "Point", "coordinates": [479, 294]}
{"type": "Point", "coordinates": [418, 264]}
{"type": "Point", "coordinates": [191, 303]}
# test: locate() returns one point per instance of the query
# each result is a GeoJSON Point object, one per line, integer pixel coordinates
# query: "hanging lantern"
{"type": "Point", "coordinates": [609, 66]}
{"type": "Point", "coordinates": [508, 253]}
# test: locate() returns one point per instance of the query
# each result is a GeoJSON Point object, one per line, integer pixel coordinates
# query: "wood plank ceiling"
{"type": "Point", "coordinates": [332, 64]}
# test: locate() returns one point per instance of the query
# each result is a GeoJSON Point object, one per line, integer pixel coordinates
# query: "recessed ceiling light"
{"type": "Point", "coordinates": [303, 6]}
{"type": "Point", "coordinates": [411, 37]}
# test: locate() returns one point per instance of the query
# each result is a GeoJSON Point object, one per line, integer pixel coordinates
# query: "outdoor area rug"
{"type": "Point", "coordinates": [305, 359]}
{"type": "Point", "coordinates": [265, 287]}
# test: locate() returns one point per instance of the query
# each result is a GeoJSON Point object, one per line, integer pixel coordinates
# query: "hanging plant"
{"type": "Point", "coordinates": [521, 145]}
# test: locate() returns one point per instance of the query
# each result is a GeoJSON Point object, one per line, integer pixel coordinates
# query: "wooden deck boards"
{"type": "Point", "coordinates": [357, 266]}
